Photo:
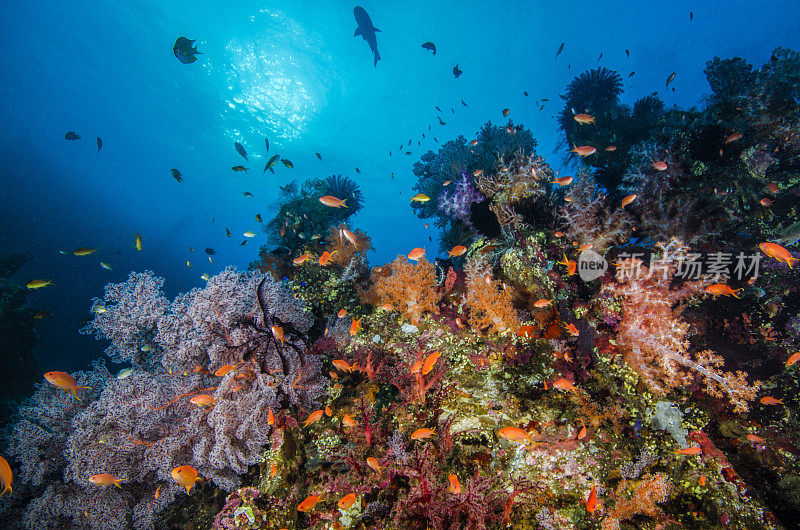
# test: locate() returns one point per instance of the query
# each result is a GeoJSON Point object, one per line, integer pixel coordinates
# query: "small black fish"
{"type": "Point", "coordinates": [545, 99]}
{"type": "Point", "coordinates": [631, 74]}
{"type": "Point", "coordinates": [440, 121]}
{"type": "Point", "coordinates": [601, 56]}
{"type": "Point", "coordinates": [239, 168]}
{"type": "Point", "coordinates": [240, 150]}
{"type": "Point", "coordinates": [176, 174]}
{"type": "Point", "coordinates": [464, 103]}
{"type": "Point", "coordinates": [210, 251]}
{"type": "Point", "coordinates": [358, 170]}
{"type": "Point", "coordinates": [560, 49]}
{"type": "Point", "coordinates": [691, 16]}
{"type": "Point", "coordinates": [540, 108]}
{"type": "Point", "coordinates": [670, 79]}
{"type": "Point", "coordinates": [437, 108]}
{"type": "Point", "coordinates": [569, 66]}
{"type": "Point", "coordinates": [71, 136]}
{"type": "Point", "coordinates": [525, 93]}
{"type": "Point", "coordinates": [627, 52]}
{"type": "Point", "coordinates": [408, 152]}
{"type": "Point", "coordinates": [452, 110]}
{"type": "Point", "coordinates": [227, 232]}
{"type": "Point", "coordinates": [430, 46]}
{"type": "Point", "coordinates": [271, 162]}
{"type": "Point", "coordinates": [266, 143]}
{"type": "Point", "coordinates": [286, 162]}
{"type": "Point", "coordinates": [456, 72]}
{"type": "Point", "coordinates": [409, 141]}
{"type": "Point", "coordinates": [185, 51]}
{"type": "Point", "coordinates": [429, 126]}
{"type": "Point", "coordinates": [318, 156]}
{"type": "Point", "coordinates": [258, 218]}
{"type": "Point", "coordinates": [423, 135]}
{"type": "Point", "coordinates": [435, 140]}
{"type": "Point", "coordinates": [390, 153]}
{"type": "Point", "coordinates": [243, 243]}
{"type": "Point", "coordinates": [99, 144]}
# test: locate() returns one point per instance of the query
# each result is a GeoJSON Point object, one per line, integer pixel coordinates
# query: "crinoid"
{"type": "Point", "coordinates": [346, 189]}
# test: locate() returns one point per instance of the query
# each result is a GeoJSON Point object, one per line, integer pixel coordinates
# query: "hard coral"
{"type": "Point", "coordinates": [411, 289]}
{"type": "Point", "coordinates": [490, 303]}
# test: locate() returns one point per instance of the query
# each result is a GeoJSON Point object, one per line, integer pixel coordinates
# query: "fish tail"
{"type": "Point", "coordinates": [7, 489]}
{"type": "Point", "coordinates": [116, 483]}
{"type": "Point", "coordinates": [735, 292]}
{"type": "Point", "coordinates": [790, 260]}
{"type": "Point", "coordinates": [344, 203]}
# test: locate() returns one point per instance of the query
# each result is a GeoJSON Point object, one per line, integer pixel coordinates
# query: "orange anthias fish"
{"type": "Point", "coordinates": [203, 400]}
{"type": "Point", "coordinates": [350, 236]}
{"type": "Point", "coordinates": [660, 165]}
{"type": "Point", "coordinates": [514, 434]}
{"type": "Point", "coordinates": [185, 476]}
{"type": "Point", "coordinates": [756, 439]}
{"type": "Point", "coordinates": [326, 257]}
{"type": "Point", "coordinates": [611, 148]}
{"type": "Point", "coordinates": [565, 385]}
{"type": "Point", "coordinates": [583, 119]}
{"type": "Point", "coordinates": [342, 365]}
{"type": "Point", "coordinates": [571, 265]}
{"type": "Point", "coordinates": [558, 234]}
{"type": "Point", "coordinates": [313, 417]}
{"type": "Point", "coordinates": [273, 470]}
{"type": "Point", "coordinates": [776, 251]}
{"type": "Point", "coordinates": [562, 181]}
{"type": "Point", "coordinates": [348, 421]}
{"type": "Point", "coordinates": [271, 417]}
{"type": "Point", "coordinates": [309, 504]}
{"type": "Point", "coordinates": [347, 501]}
{"type": "Point", "coordinates": [539, 304]}
{"type": "Point", "coordinates": [372, 462]}
{"type": "Point", "coordinates": [733, 137]}
{"type": "Point", "coordinates": [455, 485]}
{"type": "Point", "coordinates": [765, 202]}
{"type": "Point", "coordinates": [572, 330]}
{"type": "Point", "coordinates": [333, 202]}
{"type": "Point", "coordinates": [430, 362]}
{"type": "Point", "coordinates": [328, 411]}
{"type": "Point", "coordinates": [421, 434]}
{"type": "Point", "coordinates": [6, 477]}
{"type": "Point", "coordinates": [585, 246]}
{"type": "Point", "coordinates": [690, 451]}
{"type": "Point", "coordinates": [793, 359]}
{"type": "Point", "coordinates": [769, 400]}
{"type": "Point", "coordinates": [591, 502]}
{"type": "Point", "coordinates": [277, 332]}
{"type": "Point", "coordinates": [299, 260]}
{"type": "Point", "coordinates": [105, 479]}
{"type": "Point", "coordinates": [583, 150]}
{"type": "Point", "coordinates": [773, 188]}
{"type": "Point", "coordinates": [456, 251]}
{"type": "Point", "coordinates": [355, 327]}
{"type": "Point", "coordinates": [417, 366]}
{"type": "Point", "coordinates": [225, 370]}
{"type": "Point", "coordinates": [629, 199]}
{"type": "Point", "coordinates": [477, 173]}
{"type": "Point", "coordinates": [65, 381]}
{"type": "Point", "coordinates": [416, 254]}
{"type": "Point", "coordinates": [720, 289]}
{"type": "Point", "coordinates": [342, 313]}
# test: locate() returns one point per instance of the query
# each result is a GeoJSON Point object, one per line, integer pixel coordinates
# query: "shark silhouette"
{"type": "Point", "coordinates": [367, 31]}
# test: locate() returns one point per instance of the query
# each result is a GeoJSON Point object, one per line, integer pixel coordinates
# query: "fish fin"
{"type": "Point", "coordinates": [75, 393]}
{"type": "Point", "coordinates": [358, 32]}
{"type": "Point", "coordinates": [735, 292]}
{"type": "Point", "coordinates": [7, 489]}
{"type": "Point", "coordinates": [344, 206]}
{"type": "Point", "coordinates": [273, 171]}
{"type": "Point", "coordinates": [375, 29]}
{"type": "Point", "coordinates": [790, 260]}
{"type": "Point", "coordinates": [116, 483]}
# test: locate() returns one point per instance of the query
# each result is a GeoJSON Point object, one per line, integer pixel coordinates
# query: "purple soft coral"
{"type": "Point", "coordinates": [458, 204]}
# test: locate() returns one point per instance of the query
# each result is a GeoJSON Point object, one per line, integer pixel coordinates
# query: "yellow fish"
{"type": "Point", "coordinates": [105, 265]}
{"type": "Point", "coordinates": [138, 240]}
{"type": "Point", "coordinates": [420, 197]}
{"type": "Point", "coordinates": [38, 284]}
{"type": "Point", "coordinates": [83, 251]}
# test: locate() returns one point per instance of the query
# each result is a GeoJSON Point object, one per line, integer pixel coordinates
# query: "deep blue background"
{"type": "Point", "coordinates": [291, 71]}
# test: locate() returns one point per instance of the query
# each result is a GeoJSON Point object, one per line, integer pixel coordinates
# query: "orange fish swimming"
{"type": "Point", "coordinates": [583, 150]}
{"type": "Point", "coordinates": [473, 143]}
{"type": "Point", "coordinates": [417, 366]}
{"type": "Point", "coordinates": [299, 260]}
{"type": "Point", "coordinates": [514, 434]}
{"type": "Point", "coordinates": [585, 246]}
{"type": "Point", "coordinates": [539, 304]}
{"type": "Point", "coordinates": [456, 251]}
{"type": "Point", "coordinates": [347, 501]}
{"type": "Point", "coordinates": [309, 503]}
{"type": "Point", "coordinates": [611, 148]}
{"type": "Point", "coordinates": [6, 477]}
{"type": "Point", "coordinates": [350, 236]}
{"type": "Point", "coordinates": [387, 307]}
{"type": "Point", "coordinates": [691, 451]}
{"type": "Point", "coordinates": [342, 313]}
{"type": "Point", "coordinates": [348, 421]}
{"type": "Point", "coordinates": [793, 359]}
{"type": "Point", "coordinates": [105, 479]}
{"type": "Point", "coordinates": [565, 385]}
{"type": "Point", "coordinates": [558, 234]}
{"type": "Point", "coordinates": [455, 485]}
{"type": "Point", "coordinates": [185, 476]}
{"type": "Point", "coordinates": [629, 199]}
{"type": "Point", "coordinates": [572, 330]}
{"type": "Point", "coordinates": [342, 365]}
{"type": "Point", "coordinates": [591, 502]}
{"type": "Point", "coordinates": [333, 202]}
{"type": "Point", "coordinates": [769, 400]}
{"type": "Point", "coordinates": [571, 265]}
{"type": "Point", "coordinates": [326, 257]}
{"type": "Point", "coordinates": [273, 470]}
{"type": "Point", "coordinates": [660, 165]}
{"type": "Point", "coordinates": [720, 289]}
{"type": "Point", "coordinates": [733, 137]}
{"type": "Point", "coordinates": [477, 173]}
{"type": "Point", "coordinates": [422, 433]}
{"type": "Point", "coordinates": [65, 381]}
{"type": "Point", "coordinates": [765, 202]}
{"type": "Point", "coordinates": [225, 370]}
{"type": "Point", "coordinates": [277, 332]}
{"type": "Point", "coordinates": [313, 417]}
{"type": "Point", "coordinates": [372, 462]}
{"type": "Point", "coordinates": [776, 251]}
{"type": "Point", "coordinates": [416, 254]}
{"type": "Point", "coordinates": [583, 119]}
{"type": "Point", "coordinates": [355, 327]}
{"type": "Point", "coordinates": [328, 411]}
{"type": "Point", "coordinates": [271, 417]}
{"type": "Point", "coordinates": [756, 439]}
{"type": "Point", "coordinates": [430, 362]}
{"type": "Point", "coordinates": [203, 400]}
{"type": "Point", "coordinates": [562, 181]}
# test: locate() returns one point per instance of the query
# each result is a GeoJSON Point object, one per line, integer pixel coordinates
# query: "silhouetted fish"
{"type": "Point", "coordinates": [464, 103]}
{"type": "Point", "coordinates": [440, 121]}
{"type": "Point", "coordinates": [430, 46]}
{"type": "Point", "coordinates": [176, 174]}
{"type": "Point", "coordinates": [367, 31]}
{"type": "Point", "coordinates": [271, 162]}
{"type": "Point", "coordinates": [560, 49]}
{"type": "Point", "coordinates": [72, 136]}
{"type": "Point", "coordinates": [99, 144]}
{"type": "Point", "coordinates": [266, 143]}
{"type": "Point", "coordinates": [670, 79]}
{"type": "Point", "coordinates": [691, 16]}
{"type": "Point", "coordinates": [457, 72]}
{"type": "Point", "coordinates": [210, 251]}
{"type": "Point", "coordinates": [185, 51]}
{"type": "Point", "coordinates": [240, 150]}
{"type": "Point", "coordinates": [318, 156]}
{"type": "Point", "coordinates": [627, 52]}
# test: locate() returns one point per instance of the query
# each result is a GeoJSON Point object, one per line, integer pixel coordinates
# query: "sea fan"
{"type": "Point", "coordinates": [346, 189]}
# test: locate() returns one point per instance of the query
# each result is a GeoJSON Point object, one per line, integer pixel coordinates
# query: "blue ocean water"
{"type": "Point", "coordinates": [294, 73]}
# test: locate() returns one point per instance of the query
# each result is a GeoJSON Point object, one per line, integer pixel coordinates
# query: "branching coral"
{"type": "Point", "coordinates": [489, 301]}
{"type": "Point", "coordinates": [410, 289]}
{"type": "Point", "coordinates": [588, 220]}
{"type": "Point", "coordinates": [654, 339]}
